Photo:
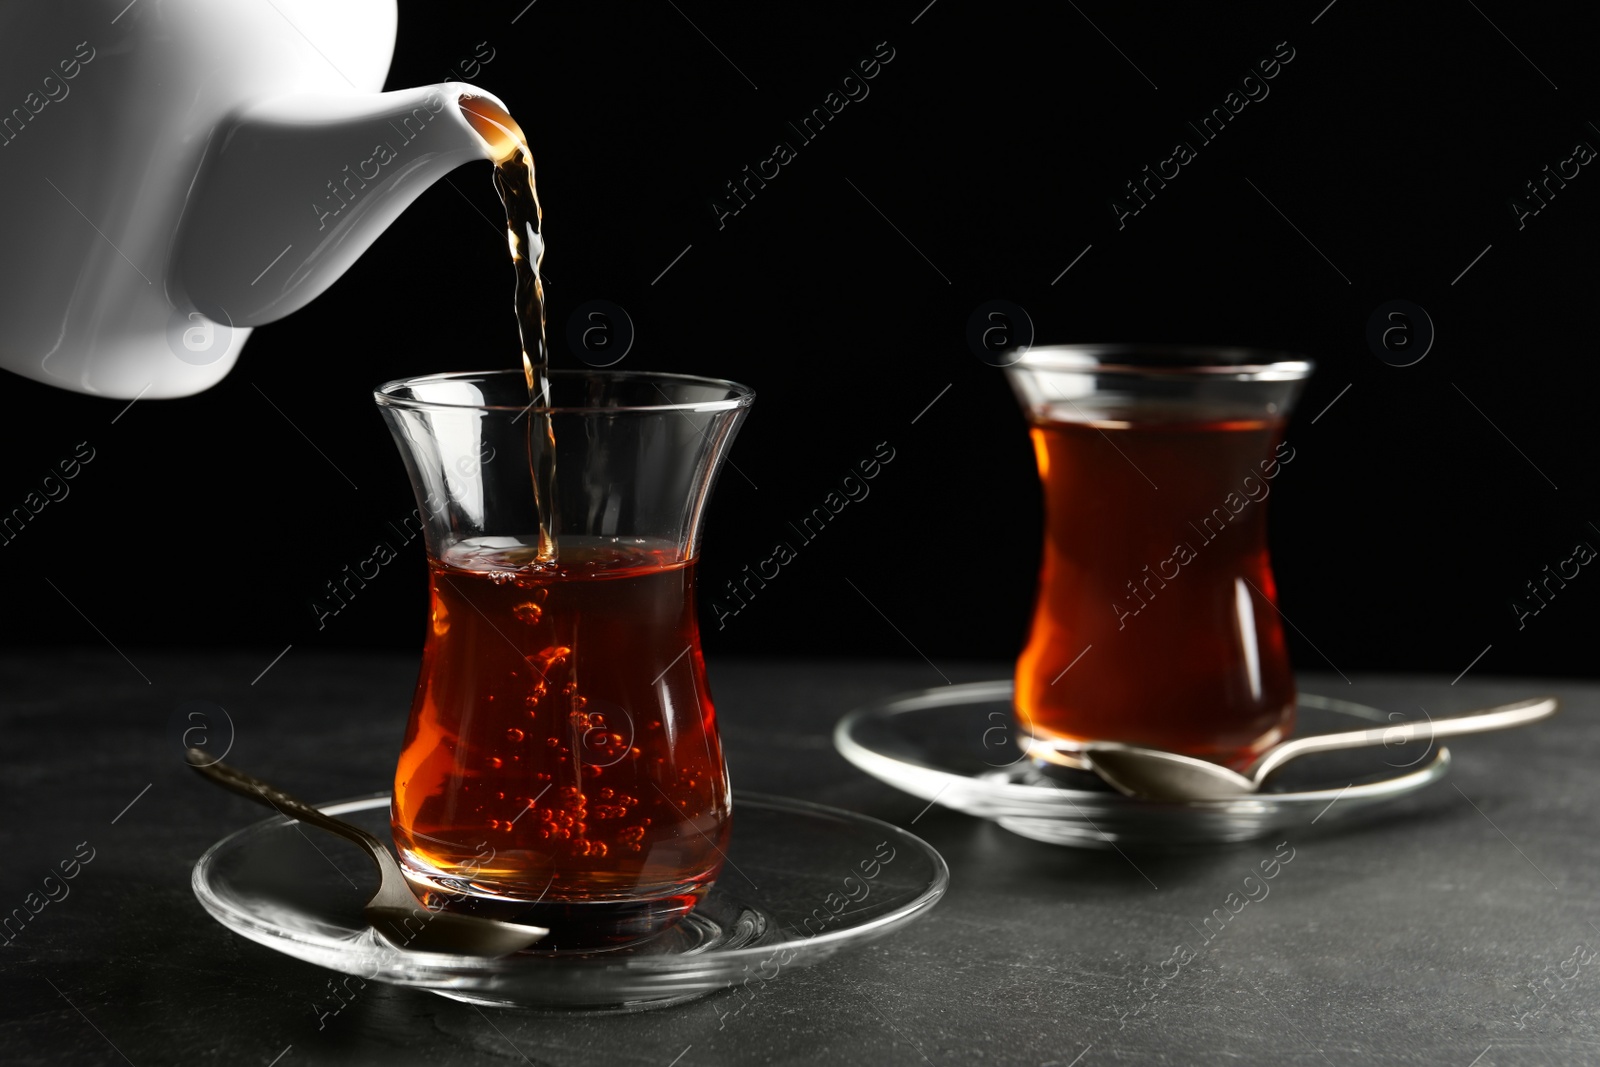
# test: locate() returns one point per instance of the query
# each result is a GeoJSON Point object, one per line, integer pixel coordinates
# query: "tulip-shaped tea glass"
{"type": "Point", "coordinates": [561, 765]}
{"type": "Point", "coordinates": [1155, 622]}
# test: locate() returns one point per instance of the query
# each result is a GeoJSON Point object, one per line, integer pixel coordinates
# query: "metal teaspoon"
{"type": "Point", "coordinates": [1152, 774]}
{"type": "Point", "coordinates": [394, 912]}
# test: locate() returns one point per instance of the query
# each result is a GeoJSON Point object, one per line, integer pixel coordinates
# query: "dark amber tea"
{"type": "Point", "coordinates": [1155, 623]}
{"type": "Point", "coordinates": [529, 778]}
{"type": "Point", "coordinates": [561, 765]}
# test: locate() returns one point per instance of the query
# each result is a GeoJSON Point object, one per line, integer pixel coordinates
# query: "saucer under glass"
{"type": "Point", "coordinates": [802, 881]}
{"type": "Point", "coordinates": [957, 746]}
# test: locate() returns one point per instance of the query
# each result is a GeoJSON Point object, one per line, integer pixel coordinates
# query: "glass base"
{"type": "Point", "coordinates": [1058, 750]}
{"type": "Point", "coordinates": [584, 926]}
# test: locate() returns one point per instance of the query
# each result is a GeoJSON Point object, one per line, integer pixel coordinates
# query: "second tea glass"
{"type": "Point", "coordinates": [1156, 621]}
{"type": "Point", "coordinates": [561, 764]}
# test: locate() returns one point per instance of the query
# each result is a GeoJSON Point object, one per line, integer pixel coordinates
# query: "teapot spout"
{"type": "Point", "coordinates": [294, 189]}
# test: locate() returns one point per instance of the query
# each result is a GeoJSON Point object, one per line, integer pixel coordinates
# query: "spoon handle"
{"type": "Point", "coordinates": [1503, 717]}
{"type": "Point", "coordinates": [235, 780]}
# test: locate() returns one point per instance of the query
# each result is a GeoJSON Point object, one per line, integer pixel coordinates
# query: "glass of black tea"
{"type": "Point", "coordinates": [1156, 622]}
{"type": "Point", "coordinates": [561, 765]}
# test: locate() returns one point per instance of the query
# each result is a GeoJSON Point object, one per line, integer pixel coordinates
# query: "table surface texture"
{"type": "Point", "coordinates": [1456, 927]}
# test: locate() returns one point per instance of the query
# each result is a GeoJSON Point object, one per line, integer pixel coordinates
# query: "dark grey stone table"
{"type": "Point", "coordinates": [1459, 928]}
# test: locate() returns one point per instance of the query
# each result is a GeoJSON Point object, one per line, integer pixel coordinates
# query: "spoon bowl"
{"type": "Point", "coordinates": [394, 912]}
{"type": "Point", "coordinates": [1154, 774]}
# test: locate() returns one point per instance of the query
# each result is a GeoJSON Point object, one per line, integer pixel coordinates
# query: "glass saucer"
{"type": "Point", "coordinates": [802, 882]}
{"type": "Point", "coordinates": [956, 746]}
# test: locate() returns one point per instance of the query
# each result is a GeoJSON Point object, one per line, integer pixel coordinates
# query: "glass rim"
{"type": "Point", "coordinates": [1174, 360]}
{"type": "Point", "coordinates": [742, 396]}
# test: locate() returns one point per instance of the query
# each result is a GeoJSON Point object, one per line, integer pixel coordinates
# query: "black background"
{"type": "Point", "coordinates": [993, 142]}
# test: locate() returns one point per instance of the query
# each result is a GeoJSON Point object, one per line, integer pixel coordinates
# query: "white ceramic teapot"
{"type": "Point", "coordinates": [174, 172]}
